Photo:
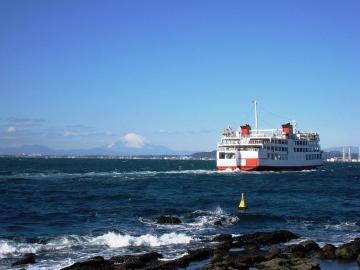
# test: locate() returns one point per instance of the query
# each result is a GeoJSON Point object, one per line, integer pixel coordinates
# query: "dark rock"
{"type": "Point", "coordinates": [310, 246]}
{"type": "Point", "coordinates": [168, 220]}
{"type": "Point", "coordinates": [136, 261]}
{"type": "Point", "coordinates": [273, 252]}
{"type": "Point", "coordinates": [218, 223]}
{"type": "Point", "coordinates": [224, 266]}
{"type": "Point", "coordinates": [348, 251]}
{"type": "Point", "coordinates": [200, 254]}
{"type": "Point", "coordinates": [295, 251]}
{"type": "Point", "coordinates": [244, 258]}
{"type": "Point", "coordinates": [327, 252]}
{"type": "Point", "coordinates": [252, 247]}
{"type": "Point", "coordinates": [117, 262]}
{"type": "Point", "coordinates": [290, 263]}
{"type": "Point", "coordinates": [29, 255]}
{"type": "Point", "coordinates": [97, 258]}
{"type": "Point", "coordinates": [264, 238]}
{"type": "Point", "coordinates": [29, 258]}
{"type": "Point", "coordinates": [96, 263]}
{"type": "Point", "coordinates": [193, 255]}
{"type": "Point", "coordinates": [344, 253]}
{"type": "Point", "coordinates": [222, 238]}
{"type": "Point", "coordinates": [223, 246]}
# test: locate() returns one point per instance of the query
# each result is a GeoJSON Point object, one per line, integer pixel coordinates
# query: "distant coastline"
{"type": "Point", "coordinates": [195, 156]}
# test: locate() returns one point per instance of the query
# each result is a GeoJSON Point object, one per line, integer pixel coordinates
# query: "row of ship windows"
{"type": "Point", "coordinates": [285, 149]}
{"type": "Point", "coordinates": [305, 150]}
{"type": "Point", "coordinates": [274, 141]}
{"type": "Point", "coordinates": [230, 141]}
{"type": "Point", "coordinates": [313, 156]}
{"type": "Point", "coordinates": [274, 156]}
{"type": "Point", "coordinates": [279, 141]}
{"type": "Point", "coordinates": [277, 156]}
{"type": "Point", "coordinates": [276, 148]}
{"type": "Point", "coordinates": [305, 143]}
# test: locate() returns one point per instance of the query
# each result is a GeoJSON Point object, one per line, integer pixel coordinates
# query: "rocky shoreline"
{"type": "Point", "coordinates": [260, 250]}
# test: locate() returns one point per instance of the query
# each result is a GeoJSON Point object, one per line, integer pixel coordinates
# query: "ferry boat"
{"type": "Point", "coordinates": [268, 149]}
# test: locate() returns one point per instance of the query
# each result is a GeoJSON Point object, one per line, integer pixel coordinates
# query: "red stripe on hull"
{"type": "Point", "coordinates": [267, 168]}
{"type": "Point", "coordinates": [234, 168]}
{"type": "Point", "coordinates": [251, 165]}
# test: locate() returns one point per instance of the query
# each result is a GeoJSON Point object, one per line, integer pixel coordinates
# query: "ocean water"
{"type": "Point", "coordinates": [66, 210]}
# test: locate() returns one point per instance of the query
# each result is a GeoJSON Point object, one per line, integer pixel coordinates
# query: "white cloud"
{"type": "Point", "coordinates": [133, 140]}
{"type": "Point", "coordinates": [72, 134]}
{"type": "Point", "coordinates": [164, 131]}
{"type": "Point", "coordinates": [11, 130]}
{"type": "Point", "coordinates": [25, 122]}
{"type": "Point", "coordinates": [79, 133]}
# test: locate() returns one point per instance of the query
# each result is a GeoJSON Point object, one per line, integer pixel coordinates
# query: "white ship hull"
{"type": "Point", "coordinates": [250, 161]}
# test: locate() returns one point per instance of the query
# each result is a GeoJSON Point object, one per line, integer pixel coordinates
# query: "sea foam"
{"type": "Point", "coordinates": [115, 240]}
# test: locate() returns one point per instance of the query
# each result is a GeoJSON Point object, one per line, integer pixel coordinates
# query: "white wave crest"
{"type": "Point", "coordinates": [205, 218]}
{"type": "Point", "coordinates": [8, 247]}
{"type": "Point", "coordinates": [110, 239]}
{"type": "Point", "coordinates": [115, 240]}
{"type": "Point", "coordinates": [351, 226]}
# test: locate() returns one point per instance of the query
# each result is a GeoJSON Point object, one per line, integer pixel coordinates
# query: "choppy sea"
{"type": "Point", "coordinates": [66, 210]}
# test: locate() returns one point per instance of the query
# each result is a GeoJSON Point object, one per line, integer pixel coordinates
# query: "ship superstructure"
{"type": "Point", "coordinates": [268, 149]}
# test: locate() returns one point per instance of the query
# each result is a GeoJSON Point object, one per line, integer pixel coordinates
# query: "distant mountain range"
{"type": "Point", "coordinates": [117, 149]}
{"type": "Point", "coordinates": [354, 149]}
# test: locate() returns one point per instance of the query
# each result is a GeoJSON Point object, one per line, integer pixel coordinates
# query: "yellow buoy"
{"type": "Point", "coordinates": [242, 202]}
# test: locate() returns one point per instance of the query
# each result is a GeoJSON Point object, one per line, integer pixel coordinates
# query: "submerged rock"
{"type": "Point", "coordinates": [29, 258]}
{"type": "Point", "coordinates": [218, 223]}
{"type": "Point", "coordinates": [96, 263]}
{"type": "Point", "coordinates": [358, 259]}
{"type": "Point", "coordinates": [168, 220]}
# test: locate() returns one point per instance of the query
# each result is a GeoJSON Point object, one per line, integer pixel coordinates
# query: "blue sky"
{"type": "Point", "coordinates": [79, 74]}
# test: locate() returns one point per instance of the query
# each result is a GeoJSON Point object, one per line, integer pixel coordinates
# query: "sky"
{"type": "Point", "coordinates": [81, 74]}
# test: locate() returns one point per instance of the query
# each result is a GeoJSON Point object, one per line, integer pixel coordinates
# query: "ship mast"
{"type": "Point", "coordinates": [350, 153]}
{"type": "Point", "coordinates": [256, 117]}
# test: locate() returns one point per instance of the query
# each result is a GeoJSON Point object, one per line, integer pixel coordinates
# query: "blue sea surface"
{"type": "Point", "coordinates": [66, 210]}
